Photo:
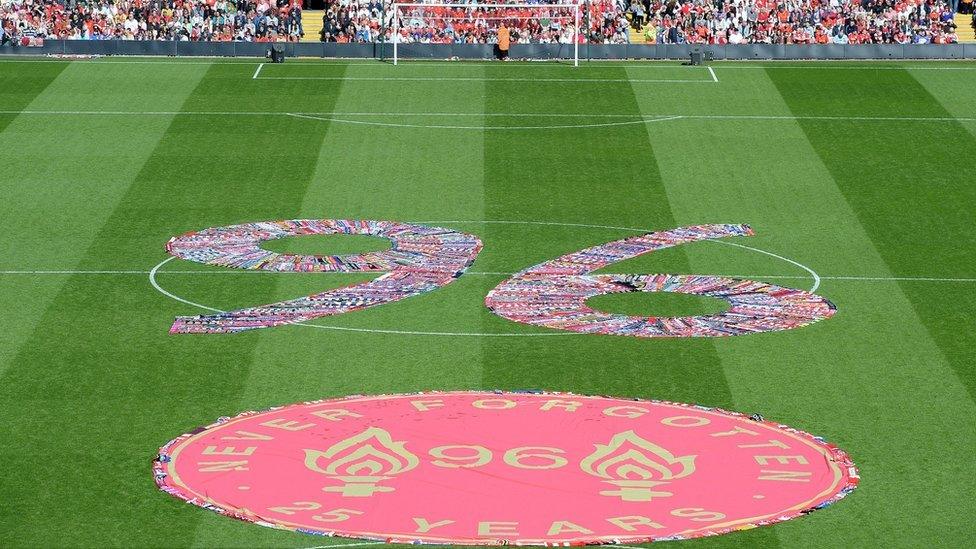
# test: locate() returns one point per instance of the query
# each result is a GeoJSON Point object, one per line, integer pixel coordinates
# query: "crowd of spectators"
{"type": "Point", "coordinates": [204, 20]}
{"type": "Point", "coordinates": [795, 21]}
{"type": "Point", "coordinates": [602, 21]}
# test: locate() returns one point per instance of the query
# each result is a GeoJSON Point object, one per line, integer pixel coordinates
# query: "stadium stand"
{"type": "Point", "coordinates": [349, 22]}
{"type": "Point", "coordinates": [198, 20]}
{"type": "Point", "coordinates": [797, 22]}
{"type": "Point", "coordinates": [607, 21]}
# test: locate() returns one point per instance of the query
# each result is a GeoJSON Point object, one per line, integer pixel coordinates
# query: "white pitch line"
{"type": "Point", "coordinates": [640, 118]}
{"type": "Point", "coordinates": [482, 273]}
{"type": "Point", "coordinates": [816, 277]}
{"type": "Point", "coordinates": [499, 273]}
{"type": "Point", "coordinates": [899, 278]}
{"type": "Point", "coordinates": [152, 280]}
{"type": "Point", "coordinates": [257, 71]}
{"type": "Point", "coordinates": [480, 79]}
{"type": "Point", "coordinates": [828, 117]}
{"type": "Point", "coordinates": [74, 272]}
{"type": "Point", "coordinates": [712, 72]}
{"type": "Point", "coordinates": [455, 127]}
{"type": "Point", "coordinates": [331, 113]}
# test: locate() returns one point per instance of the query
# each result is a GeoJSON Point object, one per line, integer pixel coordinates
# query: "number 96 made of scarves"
{"type": "Point", "coordinates": [551, 294]}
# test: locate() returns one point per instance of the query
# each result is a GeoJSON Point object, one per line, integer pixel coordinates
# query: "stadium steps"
{"type": "Point", "coordinates": [964, 28]}
{"type": "Point", "coordinates": [636, 37]}
{"type": "Point", "coordinates": [312, 25]}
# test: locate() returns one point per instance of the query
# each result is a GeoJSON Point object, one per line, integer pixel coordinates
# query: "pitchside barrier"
{"type": "Point", "coordinates": [482, 51]}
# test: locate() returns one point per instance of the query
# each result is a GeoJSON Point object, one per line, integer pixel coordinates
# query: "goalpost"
{"type": "Point", "coordinates": [469, 23]}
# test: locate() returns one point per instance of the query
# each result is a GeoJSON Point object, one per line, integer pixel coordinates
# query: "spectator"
{"type": "Point", "coordinates": [504, 38]}
{"type": "Point", "coordinates": [4, 36]}
{"type": "Point", "coordinates": [637, 15]}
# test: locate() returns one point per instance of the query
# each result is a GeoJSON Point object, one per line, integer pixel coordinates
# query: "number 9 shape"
{"type": "Point", "coordinates": [420, 260]}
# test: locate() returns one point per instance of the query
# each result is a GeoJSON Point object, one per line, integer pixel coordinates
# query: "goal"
{"type": "Point", "coordinates": [470, 23]}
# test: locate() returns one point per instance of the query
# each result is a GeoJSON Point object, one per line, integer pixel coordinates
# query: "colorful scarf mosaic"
{"type": "Point", "coordinates": [421, 259]}
{"type": "Point", "coordinates": [554, 293]}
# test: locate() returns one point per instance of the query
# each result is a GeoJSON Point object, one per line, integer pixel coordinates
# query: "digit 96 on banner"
{"type": "Point", "coordinates": [551, 294]}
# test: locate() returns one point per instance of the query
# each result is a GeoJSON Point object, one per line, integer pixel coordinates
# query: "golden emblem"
{"type": "Point", "coordinates": [636, 466]}
{"type": "Point", "coordinates": [362, 461]}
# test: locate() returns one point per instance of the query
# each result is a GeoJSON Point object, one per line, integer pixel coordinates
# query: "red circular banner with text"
{"type": "Point", "coordinates": [495, 468]}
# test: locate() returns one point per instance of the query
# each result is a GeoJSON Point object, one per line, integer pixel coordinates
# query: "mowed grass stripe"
{"type": "Point", "coordinates": [609, 177]}
{"type": "Point", "coordinates": [114, 384]}
{"type": "Point", "coordinates": [43, 197]}
{"type": "Point", "coordinates": [680, 157]}
{"type": "Point", "coordinates": [716, 172]}
{"type": "Point", "coordinates": [407, 174]}
{"type": "Point", "coordinates": [876, 366]}
{"type": "Point", "coordinates": [54, 208]}
{"type": "Point", "coordinates": [374, 173]}
{"type": "Point", "coordinates": [864, 378]}
{"type": "Point", "coordinates": [20, 84]}
{"type": "Point", "coordinates": [908, 194]}
{"type": "Point", "coordinates": [953, 90]}
{"type": "Point", "coordinates": [857, 376]}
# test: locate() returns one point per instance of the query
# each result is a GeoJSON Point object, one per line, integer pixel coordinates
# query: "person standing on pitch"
{"type": "Point", "coordinates": [504, 40]}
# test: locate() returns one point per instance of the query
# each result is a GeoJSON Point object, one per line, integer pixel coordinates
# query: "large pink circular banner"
{"type": "Point", "coordinates": [496, 468]}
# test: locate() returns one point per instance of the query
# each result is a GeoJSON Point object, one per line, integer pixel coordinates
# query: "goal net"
{"type": "Point", "coordinates": [486, 24]}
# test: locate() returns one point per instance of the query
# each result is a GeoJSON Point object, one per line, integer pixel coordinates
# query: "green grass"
{"type": "Point", "coordinates": [91, 383]}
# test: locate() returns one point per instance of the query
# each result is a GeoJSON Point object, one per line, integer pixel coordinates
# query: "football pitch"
{"type": "Point", "coordinates": [858, 179]}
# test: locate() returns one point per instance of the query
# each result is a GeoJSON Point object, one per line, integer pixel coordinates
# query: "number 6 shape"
{"type": "Point", "coordinates": [553, 294]}
{"type": "Point", "coordinates": [420, 260]}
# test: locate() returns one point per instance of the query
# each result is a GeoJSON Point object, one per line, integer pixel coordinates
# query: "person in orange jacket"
{"type": "Point", "coordinates": [504, 40]}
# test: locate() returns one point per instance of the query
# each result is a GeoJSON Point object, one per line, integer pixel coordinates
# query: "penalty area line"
{"type": "Point", "coordinates": [257, 71]}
